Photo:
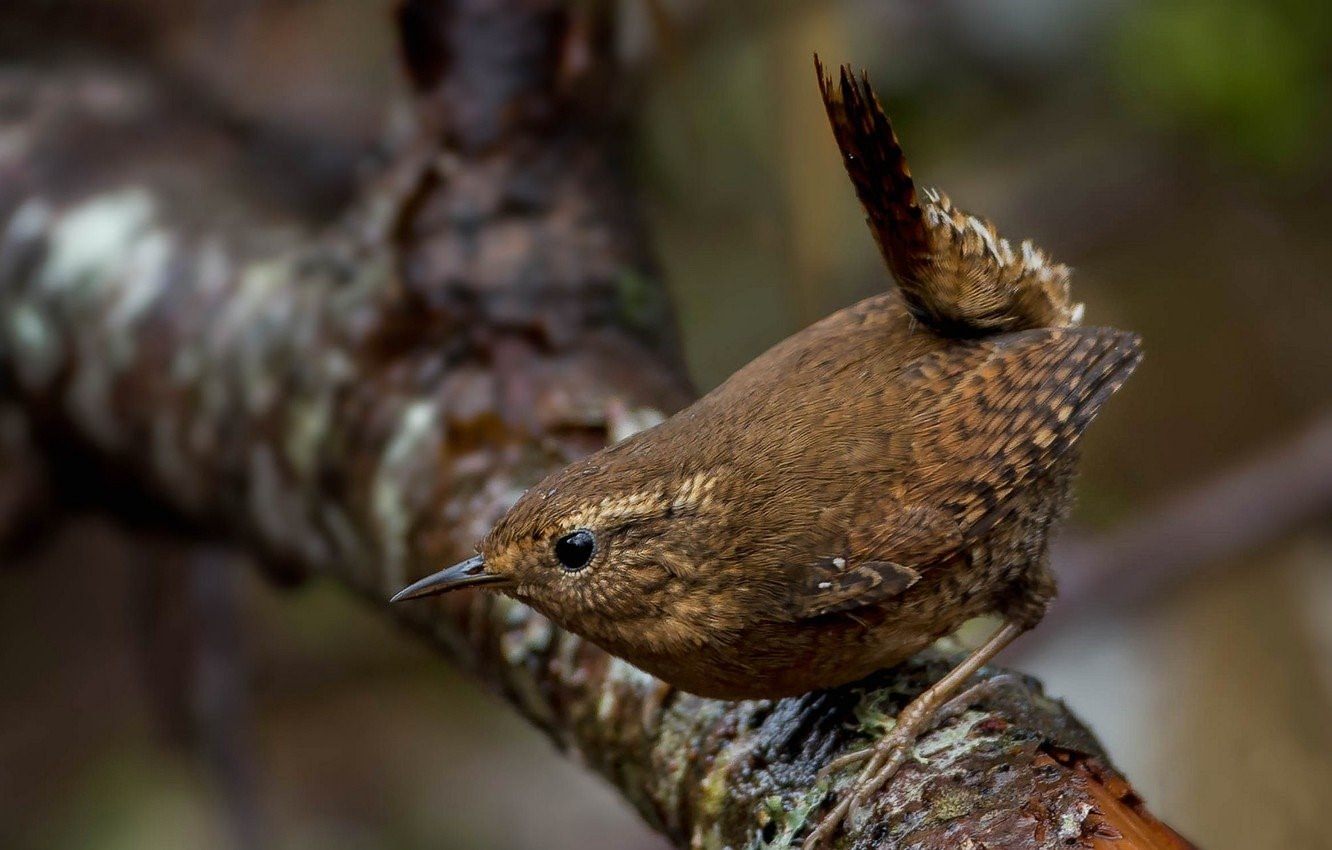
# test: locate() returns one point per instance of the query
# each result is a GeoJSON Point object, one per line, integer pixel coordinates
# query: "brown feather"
{"type": "Point", "coordinates": [1015, 404]}
{"type": "Point", "coordinates": [830, 587]}
{"type": "Point", "coordinates": [955, 272]}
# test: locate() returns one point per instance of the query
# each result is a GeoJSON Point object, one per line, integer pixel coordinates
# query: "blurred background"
{"type": "Point", "coordinates": [1174, 152]}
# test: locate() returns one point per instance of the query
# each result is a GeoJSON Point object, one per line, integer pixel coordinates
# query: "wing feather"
{"type": "Point", "coordinates": [992, 415]}
{"type": "Point", "coordinates": [1015, 404]}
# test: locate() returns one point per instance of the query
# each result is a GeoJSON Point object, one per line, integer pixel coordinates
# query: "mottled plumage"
{"type": "Point", "coordinates": [851, 495]}
{"type": "Point", "coordinates": [841, 499]}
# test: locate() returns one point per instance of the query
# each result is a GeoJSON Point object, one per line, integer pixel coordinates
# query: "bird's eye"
{"type": "Point", "coordinates": [575, 549]}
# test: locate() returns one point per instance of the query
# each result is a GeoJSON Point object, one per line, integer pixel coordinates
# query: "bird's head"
{"type": "Point", "coordinates": [608, 547]}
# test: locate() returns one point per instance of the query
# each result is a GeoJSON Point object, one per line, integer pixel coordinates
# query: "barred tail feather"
{"type": "Point", "coordinates": [955, 273]}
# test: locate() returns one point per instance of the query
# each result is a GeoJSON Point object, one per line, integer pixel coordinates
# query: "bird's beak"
{"type": "Point", "coordinates": [470, 573]}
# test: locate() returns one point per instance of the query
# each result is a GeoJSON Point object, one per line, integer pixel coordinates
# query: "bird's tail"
{"type": "Point", "coordinates": [956, 273]}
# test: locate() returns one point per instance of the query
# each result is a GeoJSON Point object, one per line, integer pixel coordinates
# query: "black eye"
{"type": "Point", "coordinates": [575, 549]}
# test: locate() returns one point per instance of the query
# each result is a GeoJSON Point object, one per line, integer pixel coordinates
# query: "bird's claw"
{"type": "Point", "coordinates": [844, 761]}
{"type": "Point", "coordinates": [885, 758]}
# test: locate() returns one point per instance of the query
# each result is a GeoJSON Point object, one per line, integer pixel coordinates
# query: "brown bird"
{"type": "Point", "coordinates": [853, 494]}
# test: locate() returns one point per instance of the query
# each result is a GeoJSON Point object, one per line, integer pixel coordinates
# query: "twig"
{"type": "Point", "coordinates": [1284, 489]}
{"type": "Point", "coordinates": [197, 674]}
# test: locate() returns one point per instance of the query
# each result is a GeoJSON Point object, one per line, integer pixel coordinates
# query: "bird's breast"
{"type": "Point", "coordinates": [770, 660]}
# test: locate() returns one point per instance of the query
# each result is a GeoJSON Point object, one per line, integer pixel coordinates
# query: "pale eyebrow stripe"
{"type": "Point", "coordinates": [694, 492]}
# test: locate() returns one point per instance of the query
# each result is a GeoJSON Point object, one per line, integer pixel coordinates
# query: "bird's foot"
{"type": "Point", "coordinates": [882, 761]}
{"type": "Point", "coordinates": [842, 762]}
{"type": "Point", "coordinates": [891, 751]}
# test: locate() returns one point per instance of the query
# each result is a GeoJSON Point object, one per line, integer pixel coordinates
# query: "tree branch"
{"type": "Point", "coordinates": [364, 404]}
{"type": "Point", "coordinates": [1285, 488]}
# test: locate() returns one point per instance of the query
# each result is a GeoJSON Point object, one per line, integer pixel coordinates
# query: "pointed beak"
{"type": "Point", "coordinates": [470, 573]}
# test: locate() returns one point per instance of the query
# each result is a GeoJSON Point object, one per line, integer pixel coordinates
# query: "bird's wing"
{"type": "Point", "coordinates": [865, 572]}
{"type": "Point", "coordinates": [1010, 406]}
{"type": "Point", "coordinates": [988, 417]}
{"type": "Point", "coordinates": [827, 588]}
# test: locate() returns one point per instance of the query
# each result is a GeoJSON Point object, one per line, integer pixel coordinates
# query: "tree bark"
{"type": "Point", "coordinates": [364, 401]}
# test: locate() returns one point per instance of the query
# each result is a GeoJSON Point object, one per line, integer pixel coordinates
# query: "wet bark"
{"type": "Point", "coordinates": [361, 401]}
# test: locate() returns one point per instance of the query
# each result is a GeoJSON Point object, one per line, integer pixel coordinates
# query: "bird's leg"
{"type": "Point", "coordinates": [939, 702]}
{"type": "Point", "coordinates": [977, 693]}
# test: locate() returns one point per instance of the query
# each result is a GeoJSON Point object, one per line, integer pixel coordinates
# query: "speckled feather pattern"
{"type": "Point", "coordinates": [857, 491]}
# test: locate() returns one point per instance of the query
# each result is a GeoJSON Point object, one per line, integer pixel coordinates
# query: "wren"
{"type": "Point", "coordinates": [850, 496]}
